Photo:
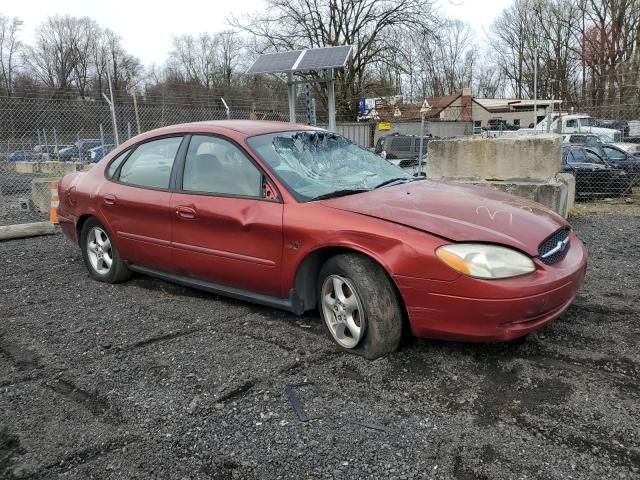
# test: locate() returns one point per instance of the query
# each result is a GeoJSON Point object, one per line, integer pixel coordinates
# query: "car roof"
{"type": "Point", "coordinates": [246, 127]}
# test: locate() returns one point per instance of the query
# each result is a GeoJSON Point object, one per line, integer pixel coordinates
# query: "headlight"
{"type": "Point", "coordinates": [485, 261]}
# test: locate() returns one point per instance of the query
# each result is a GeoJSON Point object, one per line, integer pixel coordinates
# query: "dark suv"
{"type": "Point", "coordinates": [595, 176]}
{"type": "Point", "coordinates": [401, 150]}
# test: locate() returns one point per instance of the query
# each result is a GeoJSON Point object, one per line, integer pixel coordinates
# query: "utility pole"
{"type": "Point", "coordinates": [535, 89]}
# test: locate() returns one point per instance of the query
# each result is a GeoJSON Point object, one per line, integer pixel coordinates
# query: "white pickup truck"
{"type": "Point", "coordinates": [564, 124]}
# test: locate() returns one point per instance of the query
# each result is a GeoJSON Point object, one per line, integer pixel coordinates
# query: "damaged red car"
{"type": "Point", "coordinates": [300, 218]}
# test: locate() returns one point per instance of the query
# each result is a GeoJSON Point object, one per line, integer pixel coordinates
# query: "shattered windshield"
{"type": "Point", "coordinates": [318, 164]}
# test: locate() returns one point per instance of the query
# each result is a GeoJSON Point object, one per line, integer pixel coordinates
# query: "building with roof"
{"type": "Point", "coordinates": [463, 107]}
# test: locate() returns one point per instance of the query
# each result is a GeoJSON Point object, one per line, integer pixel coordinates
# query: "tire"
{"type": "Point", "coordinates": [364, 317]}
{"type": "Point", "coordinates": [97, 257]}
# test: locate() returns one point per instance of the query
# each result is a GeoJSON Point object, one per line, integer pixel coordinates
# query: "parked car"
{"type": "Point", "coordinates": [47, 152]}
{"type": "Point", "coordinates": [401, 150]}
{"type": "Point", "coordinates": [97, 153]}
{"type": "Point", "coordinates": [299, 218]}
{"type": "Point", "coordinates": [581, 139]}
{"type": "Point", "coordinates": [79, 151]}
{"type": "Point", "coordinates": [595, 177]}
{"type": "Point", "coordinates": [619, 158]}
{"type": "Point", "coordinates": [20, 156]}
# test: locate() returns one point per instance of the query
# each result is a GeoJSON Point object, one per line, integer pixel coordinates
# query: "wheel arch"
{"type": "Point", "coordinates": [82, 219]}
{"type": "Point", "coordinates": [306, 278]}
{"type": "Point", "coordinates": [80, 223]}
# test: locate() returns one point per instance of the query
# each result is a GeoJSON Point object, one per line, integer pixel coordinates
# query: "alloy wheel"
{"type": "Point", "coordinates": [99, 250]}
{"type": "Point", "coordinates": [343, 311]}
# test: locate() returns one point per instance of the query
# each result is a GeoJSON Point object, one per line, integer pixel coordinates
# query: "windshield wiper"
{"type": "Point", "coordinates": [394, 180]}
{"type": "Point", "coordinates": [339, 193]}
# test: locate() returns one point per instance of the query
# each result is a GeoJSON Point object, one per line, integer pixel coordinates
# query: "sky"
{"type": "Point", "coordinates": [147, 28]}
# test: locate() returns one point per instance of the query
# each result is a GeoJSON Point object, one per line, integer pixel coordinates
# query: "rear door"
{"type": "Point", "coordinates": [227, 219]}
{"type": "Point", "coordinates": [136, 202]}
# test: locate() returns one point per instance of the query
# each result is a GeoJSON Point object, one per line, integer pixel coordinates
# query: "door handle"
{"type": "Point", "coordinates": [109, 199]}
{"type": "Point", "coordinates": [186, 212]}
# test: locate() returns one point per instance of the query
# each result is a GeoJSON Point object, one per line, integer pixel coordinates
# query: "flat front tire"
{"type": "Point", "coordinates": [100, 254]}
{"type": "Point", "coordinates": [359, 305]}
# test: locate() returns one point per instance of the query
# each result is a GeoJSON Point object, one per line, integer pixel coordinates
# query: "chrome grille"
{"type": "Point", "coordinates": [554, 248]}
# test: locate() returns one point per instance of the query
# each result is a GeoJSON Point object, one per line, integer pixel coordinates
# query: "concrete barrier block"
{"type": "Point", "coordinates": [518, 157]}
{"type": "Point", "coordinates": [41, 193]}
{"type": "Point", "coordinates": [27, 167]}
{"type": "Point", "coordinates": [570, 181]}
{"type": "Point", "coordinates": [552, 195]}
{"type": "Point", "coordinates": [61, 168]}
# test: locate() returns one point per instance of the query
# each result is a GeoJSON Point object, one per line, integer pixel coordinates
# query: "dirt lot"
{"type": "Point", "coordinates": [149, 380]}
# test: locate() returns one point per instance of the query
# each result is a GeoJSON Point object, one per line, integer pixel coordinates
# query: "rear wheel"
{"type": "Point", "coordinates": [359, 305]}
{"type": "Point", "coordinates": [100, 255]}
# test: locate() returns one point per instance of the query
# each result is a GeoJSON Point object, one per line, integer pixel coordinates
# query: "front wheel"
{"type": "Point", "coordinates": [100, 255]}
{"type": "Point", "coordinates": [359, 305]}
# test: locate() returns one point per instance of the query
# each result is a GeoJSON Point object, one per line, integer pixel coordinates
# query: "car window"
{"type": "Point", "coordinates": [401, 144]}
{"type": "Point", "coordinates": [593, 157]}
{"type": "Point", "coordinates": [577, 139]}
{"type": "Point", "coordinates": [576, 156]}
{"type": "Point", "coordinates": [571, 123]}
{"type": "Point", "coordinates": [614, 154]}
{"type": "Point", "coordinates": [215, 165]}
{"type": "Point", "coordinates": [150, 164]}
{"type": "Point", "coordinates": [425, 145]}
{"type": "Point", "coordinates": [113, 166]}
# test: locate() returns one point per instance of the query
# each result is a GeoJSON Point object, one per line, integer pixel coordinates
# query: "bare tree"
{"type": "Point", "coordinates": [229, 55]}
{"type": "Point", "coordinates": [366, 24]}
{"type": "Point", "coordinates": [9, 49]}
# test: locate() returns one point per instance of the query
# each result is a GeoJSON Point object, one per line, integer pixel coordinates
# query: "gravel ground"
{"type": "Point", "coordinates": [149, 380]}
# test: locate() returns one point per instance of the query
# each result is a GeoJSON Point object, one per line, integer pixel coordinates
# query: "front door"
{"type": "Point", "coordinates": [136, 203]}
{"type": "Point", "coordinates": [225, 231]}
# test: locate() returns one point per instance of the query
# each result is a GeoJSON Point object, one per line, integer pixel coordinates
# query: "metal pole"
{"type": "Point", "coordinates": [113, 110]}
{"type": "Point", "coordinates": [128, 129]}
{"type": "Point", "coordinates": [331, 94]}
{"type": "Point", "coordinates": [292, 98]}
{"type": "Point", "coordinates": [135, 108]}
{"type": "Point", "coordinates": [226, 107]}
{"type": "Point", "coordinates": [39, 138]}
{"type": "Point", "coordinates": [46, 146]}
{"type": "Point", "coordinates": [102, 137]}
{"type": "Point", "coordinates": [535, 89]}
{"type": "Point", "coordinates": [55, 140]}
{"type": "Point", "coordinates": [421, 144]}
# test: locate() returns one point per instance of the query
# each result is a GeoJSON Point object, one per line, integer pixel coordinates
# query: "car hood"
{"type": "Point", "coordinates": [457, 212]}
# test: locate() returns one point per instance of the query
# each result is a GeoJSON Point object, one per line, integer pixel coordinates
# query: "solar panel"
{"type": "Point", "coordinates": [301, 60]}
{"type": "Point", "coordinates": [275, 62]}
{"type": "Point", "coordinates": [319, 58]}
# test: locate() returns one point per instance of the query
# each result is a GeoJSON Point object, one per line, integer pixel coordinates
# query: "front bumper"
{"type": "Point", "coordinates": [470, 309]}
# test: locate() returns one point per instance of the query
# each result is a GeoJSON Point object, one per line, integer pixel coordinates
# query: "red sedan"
{"type": "Point", "coordinates": [300, 218]}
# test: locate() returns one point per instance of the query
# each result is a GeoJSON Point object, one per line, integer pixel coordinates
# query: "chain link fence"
{"type": "Point", "coordinates": [41, 139]}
